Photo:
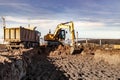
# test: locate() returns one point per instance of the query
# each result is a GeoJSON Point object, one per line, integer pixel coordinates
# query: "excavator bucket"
{"type": "Point", "coordinates": [75, 50]}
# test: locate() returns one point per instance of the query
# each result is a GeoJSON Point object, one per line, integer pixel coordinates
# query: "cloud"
{"type": "Point", "coordinates": [88, 24]}
{"type": "Point", "coordinates": [13, 4]}
{"type": "Point", "coordinates": [33, 21]}
{"type": "Point", "coordinates": [45, 24]}
{"type": "Point", "coordinates": [117, 23]}
{"type": "Point", "coordinates": [86, 29]}
{"type": "Point", "coordinates": [87, 15]}
{"type": "Point", "coordinates": [100, 34]}
{"type": "Point", "coordinates": [52, 21]}
{"type": "Point", "coordinates": [83, 24]}
{"type": "Point", "coordinates": [14, 19]}
{"type": "Point", "coordinates": [86, 9]}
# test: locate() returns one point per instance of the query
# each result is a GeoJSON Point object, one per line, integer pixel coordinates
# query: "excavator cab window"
{"type": "Point", "coordinates": [62, 34]}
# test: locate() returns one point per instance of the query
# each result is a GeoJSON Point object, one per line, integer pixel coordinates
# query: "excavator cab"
{"type": "Point", "coordinates": [62, 35]}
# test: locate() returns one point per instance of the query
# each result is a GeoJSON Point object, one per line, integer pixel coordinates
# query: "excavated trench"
{"type": "Point", "coordinates": [46, 63]}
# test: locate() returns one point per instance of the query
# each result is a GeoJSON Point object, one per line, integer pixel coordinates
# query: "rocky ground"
{"type": "Point", "coordinates": [57, 64]}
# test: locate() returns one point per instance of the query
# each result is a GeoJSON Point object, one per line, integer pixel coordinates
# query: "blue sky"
{"type": "Point", "coordinates": [92, 18]}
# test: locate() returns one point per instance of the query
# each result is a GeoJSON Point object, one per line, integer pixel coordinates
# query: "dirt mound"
{"type": "Point", "coordinates": [2, 47]}
{"type": "Point", "coordinates": [60, 50]}
{"type": "Point", "coordinates": [13, 65]}
{"type": "Point", "coordinates": [110, 56]}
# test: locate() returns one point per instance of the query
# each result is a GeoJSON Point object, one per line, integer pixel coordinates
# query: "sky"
{"type": "Point", "coordinates": [92, 18]}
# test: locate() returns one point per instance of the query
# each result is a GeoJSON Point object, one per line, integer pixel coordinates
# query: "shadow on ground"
{"type": "Point", "coordinates": [32, 64]}
{"type": "Point", "coordinates": [41, 67]}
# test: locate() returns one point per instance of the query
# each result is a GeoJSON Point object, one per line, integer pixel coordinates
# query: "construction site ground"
{"type": "Point", "coordinates": [51, 63]}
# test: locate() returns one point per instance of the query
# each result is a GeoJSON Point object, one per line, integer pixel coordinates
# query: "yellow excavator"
{"type": "Point", "coordinates": [60, 35]}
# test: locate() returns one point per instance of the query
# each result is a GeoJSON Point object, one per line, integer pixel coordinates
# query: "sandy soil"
{"type": "Point", "coordinates": [83, 66]}
{"type": "Point", "coordinates": [56, 64]}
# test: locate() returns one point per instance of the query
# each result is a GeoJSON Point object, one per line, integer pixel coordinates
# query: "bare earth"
{"type": "Point", "coordinates": [72, 67]}
{"type": "Point", "coordinates": [57, 64]}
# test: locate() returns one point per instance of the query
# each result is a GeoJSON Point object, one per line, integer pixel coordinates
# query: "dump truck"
{"type": "Point", "coordinates": [21, 37]}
